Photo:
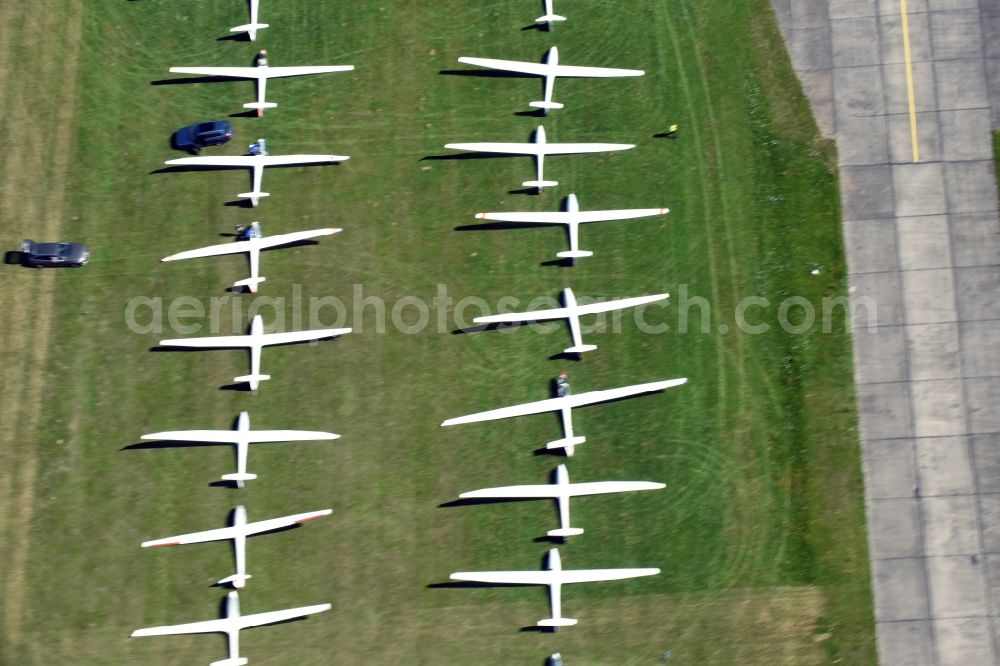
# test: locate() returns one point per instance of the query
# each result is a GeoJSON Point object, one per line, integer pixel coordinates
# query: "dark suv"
{"type": "Point", "coordinates": [195, 137]}
{"type": "Point", "coordinates": [53, 255]}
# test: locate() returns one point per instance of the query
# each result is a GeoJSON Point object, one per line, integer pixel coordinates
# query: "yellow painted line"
{"type": "Point", "coordinates": [909, 80]}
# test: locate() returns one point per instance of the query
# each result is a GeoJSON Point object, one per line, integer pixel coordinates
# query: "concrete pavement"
{"type": "Point", "coordinates": [922, 232]}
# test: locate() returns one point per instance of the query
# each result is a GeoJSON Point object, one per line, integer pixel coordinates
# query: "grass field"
{"type": "Point", "coordinates": [760, 532]}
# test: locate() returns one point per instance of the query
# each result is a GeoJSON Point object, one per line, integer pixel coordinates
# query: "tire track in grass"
{"type": "Point", "coordinates": [742, 557]}
{"type": "Point", "coordinates": [746, 544]}
{"type": "Point", "coordinates": [693, 119]}
{"type": "Point", "coordinates": [18, 204]}
{"type": "Point", "coordinates": [742, 354]}
{"type": "Point", "coordinates": [665, 17]}
{"type": "Point", "coordinates": [740, 553]}
{"type": "Point", "coordinates": [33, 188]}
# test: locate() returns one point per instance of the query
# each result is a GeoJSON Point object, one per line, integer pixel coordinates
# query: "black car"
{"type": "Point", "coordinates": [53, 255]}
{"type": "Point", "coordinates": [195, 137]}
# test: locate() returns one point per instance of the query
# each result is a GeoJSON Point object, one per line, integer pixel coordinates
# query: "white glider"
{"type": "Point", "coordinates": [242, 437]}
{"type": "Point", "coordinates": [231, 626]}
{"type": "Point", "coordinates": [573, 217]}
{"type": "Point", "coordinates": [261, 73]}
{"type": "Point", "coordinates": [564, 406]}
{"type": "Point", "coordinates": [255, 341]}
{"type": "Point", "coordinates": [238, 533]}
{"type": "Point", "coordinates": [549, 69]}
{"type": "Point", "coordinates": [539, 148]}
{"type": "Point", "coordinates": [555, 577]}
{"type": "Point", "coordinates": [257, 163]}
{"type": "Point", "coordinates": [571, 312]}
{"type": "Point", "coordinates": [561, 491]}
{"type": "Point", "coordinates": [550, 15]}
{"type": "Point", "coordinates": [253, 246]}
{"type": "Point", "coordinates": [254, 25]}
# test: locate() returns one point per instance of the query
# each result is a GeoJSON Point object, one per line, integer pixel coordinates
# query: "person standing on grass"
{"type": "Point", "coordinates": [562, 385]}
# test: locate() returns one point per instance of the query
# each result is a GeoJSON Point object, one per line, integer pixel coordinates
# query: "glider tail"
{"type": "Point", "coordinates": [253, 380]}
{"type": "Point", "coordinates": [250, 283]}
{"type": "Point", "coordinates": [237, 580]}
{"type": "Point", "coordinates": [260, 106]}
{"type": "Point", "coordinates": [540, 183]}
{"type": "Point", "coordinates": [237, 661]}
{"type": "Point", "coordinates": [250, 28]}
{"type": "Point", "coordinates": [579, 349]}
{"type": "Point", "coordinates": [567, 443]}
{"type": "Point", "coordinates": [254, 197]}
{"type": "Point", "coordinates": [546, 105]}
{"type": "Point", "coordinates": [548, 18]}
{"type": "Point", "coordinates": [556, 622]}
{"type": "Point", "coordinates": [239, 478]}
{"type": "Point", "coordinates": [574, 254]}
{"type": "Point", "coordinates": [565, 532]}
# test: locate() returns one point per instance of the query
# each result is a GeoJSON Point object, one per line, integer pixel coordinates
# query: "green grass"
{"type": "Point", "coordinates": [760, 532]}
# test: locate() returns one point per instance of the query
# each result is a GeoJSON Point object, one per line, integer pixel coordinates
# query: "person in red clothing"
{"type": "Point", "coordinates": [562, 385]}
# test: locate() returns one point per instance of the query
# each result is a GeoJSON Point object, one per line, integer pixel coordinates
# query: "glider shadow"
{"type": "Point", "coordinates": [184, 168]}
{"type": "Point", "coordinates": [487, 74]}
{"type": "Point", "coordinates": [169, 444]}
{"type": "Point", "coordinates": [197, 79]}
{"type": "Point", "coordinates": [475, 501]}
{"type": "Point", "coordinates": [299, 243]}
{"type": "Point", "coordinates": [471, 155]}
{"type": "Point", "coordinates": [534, 191]}
{"type": "Point", "coordinates": [550, 539]}
{"type": "Point", "coordinates": [492, 226]}
{"type": "Point", "coordinates": [234, 37]}
{"type": "Point", "coordinates": [239, 387]}
{"type": "Point", "coordinates": [183, 349]}
{"type": "Point", "coordinates": [557, 453]}
{"type": "Point", "coordinates": [497, 326]}
{"type": "Point", "coordinates": [470, 584]}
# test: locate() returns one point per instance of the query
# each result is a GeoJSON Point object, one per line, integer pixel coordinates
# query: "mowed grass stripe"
{"type": "Point", "coordinates": [693, 120]}
{"type": "Point", "coordinates": [429, 635]}
{"type": "Point", "coordinates": [739, 356]}
{"type": "Point", "coordinates": [715, 216]}
{"type": "Point", "coordinates": [34, 201]}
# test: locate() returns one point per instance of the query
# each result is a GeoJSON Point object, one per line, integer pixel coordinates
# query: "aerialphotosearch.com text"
{"type": "Point", "coordinates": [682, 313]}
